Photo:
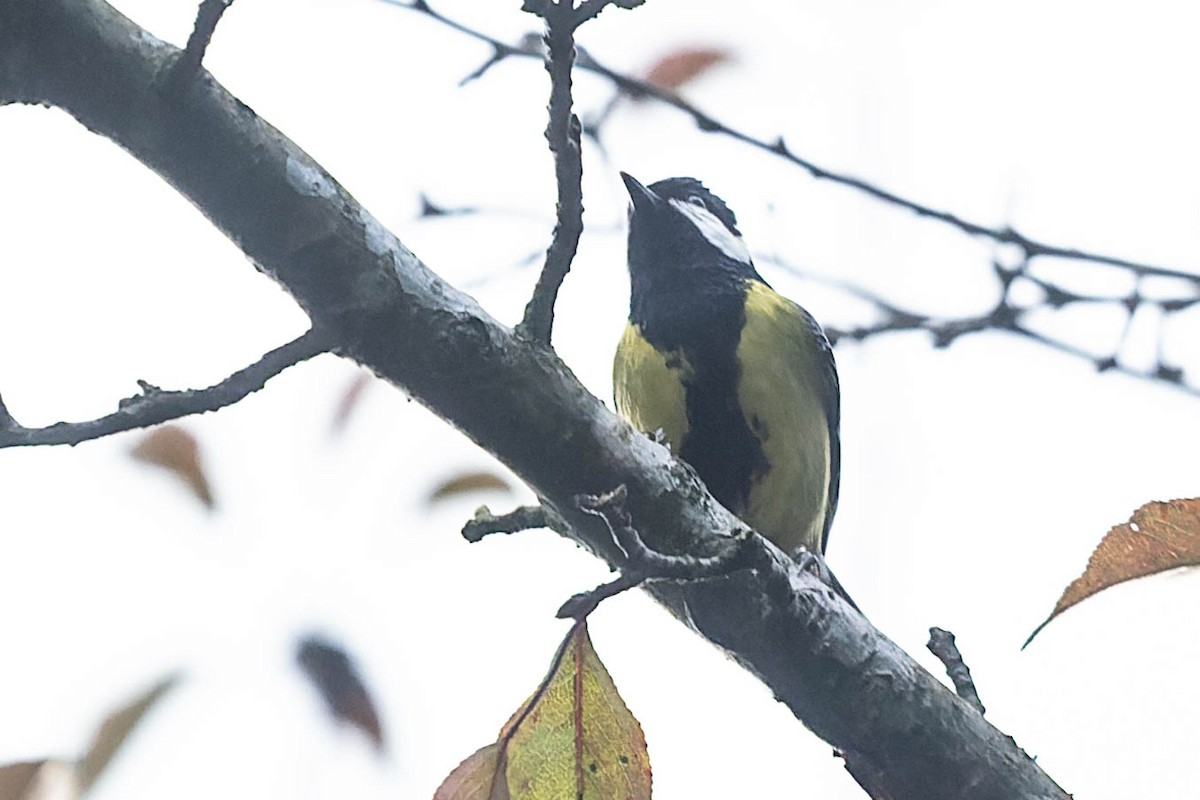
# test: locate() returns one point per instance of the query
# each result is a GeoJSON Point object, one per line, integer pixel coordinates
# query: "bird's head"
{"type": "Point", "coordinates": [678, 226]}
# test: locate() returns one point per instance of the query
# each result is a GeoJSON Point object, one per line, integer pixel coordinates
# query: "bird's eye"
{"type": "Point", "coordinates": [697, 200]}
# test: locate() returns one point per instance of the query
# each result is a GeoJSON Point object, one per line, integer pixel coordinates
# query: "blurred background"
{"type": "Point", "coordinates": [977, 478]}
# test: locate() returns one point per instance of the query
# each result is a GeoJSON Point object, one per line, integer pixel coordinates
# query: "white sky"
{"type": "Point", "coordinates": [976, 479]}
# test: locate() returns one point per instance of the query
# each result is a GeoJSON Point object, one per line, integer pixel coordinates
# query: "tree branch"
{"type": "Point", "coordinates": [635, 87]}
{"type": "Point", "coordinates": [1007, 317]}
{"type": "Point", "coordinates": [645, 564]}
{"type": "Point", "coordinates": [155, 405]}
{"type": "Point", "coordinates": [562, 132]}
{"type": "Point", "coordinates": [562, 18]}
{"type": "Point", "coordinates": [845, 680]}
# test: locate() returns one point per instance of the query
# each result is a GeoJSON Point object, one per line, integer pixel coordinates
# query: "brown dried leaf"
{"type": "Point", "coordinates": [1158, 537]}
{"type": "Point", "coordinates": [350, 400]}
{"type": "Point", "coordinates": [17, 779]}
{"type": "Point", "coordinates": [39, 780]}
{"type": "Point", "coordinates": [115, 730]}
{"type": "Point", "coordinates": [672, 71]}
{"type": "Point", "coordinates": [177, 451]}
{"type": "Point", "coordinates": [467, 483]}
{"type": "Point", "coordinates": [337, 679]}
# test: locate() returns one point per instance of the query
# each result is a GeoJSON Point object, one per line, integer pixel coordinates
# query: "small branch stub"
{"type": "Point", "coordinates": [484, 523]}
{"type": "Point", "coordinates": [207, 17]}
{"type": "Point", "coordinates": [941, 644]}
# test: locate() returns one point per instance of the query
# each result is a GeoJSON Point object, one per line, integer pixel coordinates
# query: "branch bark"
{"type": "Point", "coordinates": [897, 726]}
{"type": "Point", "coordinates": [563, 134]}
{"type": "Point", "coordinates": [155, 406]}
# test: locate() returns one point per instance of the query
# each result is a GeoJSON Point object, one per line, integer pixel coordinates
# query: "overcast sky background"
{"type": "Point", "coordinates": [976, 479]}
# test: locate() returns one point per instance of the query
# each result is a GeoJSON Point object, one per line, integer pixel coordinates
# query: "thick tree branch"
{"type": "Point", "coordinates": [841, 677]}
{"type": "Point", "coordinates": [155, 405]}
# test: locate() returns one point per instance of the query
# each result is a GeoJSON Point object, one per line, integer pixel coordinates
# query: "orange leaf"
{"type": "Point", "coordinates": [177, 451]}
{"type": "Point", "coordinates": [1158, 537]}
{"type": "Point", "coordinates": [678, 67]}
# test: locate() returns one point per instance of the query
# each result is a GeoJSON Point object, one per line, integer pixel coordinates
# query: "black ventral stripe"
{"type": "Point", "coordinates": [706, 326]}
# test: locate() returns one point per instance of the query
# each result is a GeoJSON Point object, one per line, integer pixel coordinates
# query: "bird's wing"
{"type": "Point", "coordinates": [831, 396]}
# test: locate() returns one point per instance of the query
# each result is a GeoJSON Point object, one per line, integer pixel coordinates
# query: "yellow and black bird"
{"type": "Point", "coordinates": [740, 380]}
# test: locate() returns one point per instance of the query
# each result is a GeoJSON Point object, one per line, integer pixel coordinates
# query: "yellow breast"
{"type": "Point", "coordinates": [780, 396]}
{"type": "Point", "coordinates": [648, 387]}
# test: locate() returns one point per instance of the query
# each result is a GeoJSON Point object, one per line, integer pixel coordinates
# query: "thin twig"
{"type": "Point", "coordinates": [154, 405]}
{"type": "Point", "coordinates": [778, 147]}
{"type": "Point", "coordinates": [562, 132]}
{"type": "Point", "coordinates": [1006, 317]}
{"type": "Point", "coordinates": [521, 518]}
{"type": "Point", "coordinates": [941, 644]}
{"type": "Point", "coordinates": [644, 564]}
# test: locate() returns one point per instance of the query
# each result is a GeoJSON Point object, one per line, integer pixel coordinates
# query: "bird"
{"type": "Point", "coordinates": [737, 379]}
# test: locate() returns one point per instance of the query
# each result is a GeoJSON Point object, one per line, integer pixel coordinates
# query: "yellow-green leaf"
{"type": "Point", "coordinates": [574, 738]}
{"type": "Point", "coordinates": [578, 738]}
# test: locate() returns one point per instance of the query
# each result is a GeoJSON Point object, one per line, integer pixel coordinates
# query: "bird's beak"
{"type": "Point", "coordinates": [643, 199]}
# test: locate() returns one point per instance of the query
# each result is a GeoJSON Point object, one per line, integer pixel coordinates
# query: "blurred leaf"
{"type": "Point", "coordinates": [467, 483]}
{"type": "Point", "coordinates": [682, 66]}
{"type": "Point", "coordinates": [17, 779]}
{"type": "Point", "coordinates": [475, 778]}
{"type": "Point", "coordinates": [574, 737]}
{"type": "Point", "coordinates": [350, 400]}
{"type": "Point", "coordinates": [1158, 537]}
{"type": "Point", "coordinates": [115, 730]}
{"type": "Point", "coordinates": [38, 780]}
{"type": "Point", "coordinates": [177, 451]}
{"type": "Point", "coordinates": [338, 682]}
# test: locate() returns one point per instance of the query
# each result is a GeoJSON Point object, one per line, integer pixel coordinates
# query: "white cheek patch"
{"type": "Point", "coordinates": [714, 230]}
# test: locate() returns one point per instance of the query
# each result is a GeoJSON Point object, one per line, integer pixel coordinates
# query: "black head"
{"type": "Point", "coordinates": [681, 234]}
